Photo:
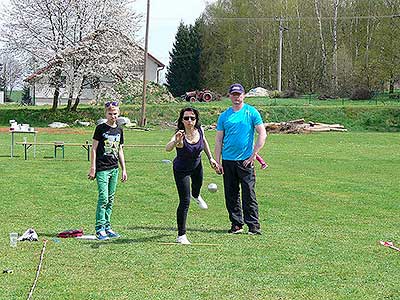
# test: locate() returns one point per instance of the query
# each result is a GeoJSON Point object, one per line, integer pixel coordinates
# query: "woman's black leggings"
{"type": "Point", "coordinates": [182, 180]}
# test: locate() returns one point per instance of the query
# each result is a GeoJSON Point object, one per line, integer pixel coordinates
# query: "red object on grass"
{"type": "Point", "coordinates": [70, 233]}
{"type": "Point", "coordinates": [390, 245]}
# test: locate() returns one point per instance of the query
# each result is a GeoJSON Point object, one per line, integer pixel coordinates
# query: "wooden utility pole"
{"type": "Point", "coordinates": [281, 29]}
{"type": "Point", "coordinates": [2, 83]}
{"type": "Point", "coordinates": [143, 111]}
{"type": "Point", "coordinates": [335, 48]}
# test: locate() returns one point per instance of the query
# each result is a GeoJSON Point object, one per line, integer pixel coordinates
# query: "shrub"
{"type": "Point", "coordinates": [326, 96]}
{"type": "Point", "coordinates": [26, 98]}
{"type": "Point", "coordinates": [394, 96]}
{"type": "Point", "coordinates": [290, 94]}
{"type": "Point", "coordinates": [130, 92]}
{"type": "Point", "coordinates": [361, 93]}
{"type": "Point", "coordinates": [275, 94]}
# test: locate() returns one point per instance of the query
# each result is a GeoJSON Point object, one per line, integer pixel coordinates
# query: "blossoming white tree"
{"type": "Point", "coordinates": [103, 53]}
{"type": "Point", "coordinates": [46, 29]}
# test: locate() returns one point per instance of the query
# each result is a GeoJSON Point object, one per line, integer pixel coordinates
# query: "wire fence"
{"type": "Point", "coordinates": [378, 99]}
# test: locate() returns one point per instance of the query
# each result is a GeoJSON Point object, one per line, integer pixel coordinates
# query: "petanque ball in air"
{"type": "Point", "coordinates": [212, 187]}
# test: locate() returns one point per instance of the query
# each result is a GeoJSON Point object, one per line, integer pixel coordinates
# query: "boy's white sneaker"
{"type": "Point", "coordinates": [202, 204]}
{"type": "Point", "coordinates": [182, 239]}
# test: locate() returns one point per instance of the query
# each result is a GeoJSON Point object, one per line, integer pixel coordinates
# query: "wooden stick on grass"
{"type": "Point", "coordinates": [38, 270]}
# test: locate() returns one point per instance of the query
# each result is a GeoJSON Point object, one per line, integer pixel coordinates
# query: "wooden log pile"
{"type": "Point", "coordinates": [300, 126]}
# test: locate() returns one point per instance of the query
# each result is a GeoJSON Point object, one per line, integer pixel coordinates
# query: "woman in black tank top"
{"type": "Point", "coordinates": [189, 141]}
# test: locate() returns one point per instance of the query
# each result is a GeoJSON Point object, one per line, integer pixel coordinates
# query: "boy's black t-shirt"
{"type": "Point", "coordinates": [110, 139]}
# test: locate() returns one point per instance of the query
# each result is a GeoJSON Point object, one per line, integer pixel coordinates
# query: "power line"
{"type": "Point", "coordinates": [290, 18]}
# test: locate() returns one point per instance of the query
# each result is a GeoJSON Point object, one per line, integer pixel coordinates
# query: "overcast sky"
{"type": "Point", "coordinates": [165, 16]}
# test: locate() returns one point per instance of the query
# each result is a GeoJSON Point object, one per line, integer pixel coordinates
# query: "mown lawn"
{"type": "Point", "coordinates": [325, 201]}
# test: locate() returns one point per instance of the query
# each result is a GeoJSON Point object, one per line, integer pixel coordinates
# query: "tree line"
{"type": "Point", "coordinates": [329, 46]}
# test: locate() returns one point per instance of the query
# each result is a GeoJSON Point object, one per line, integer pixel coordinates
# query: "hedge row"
{"type": "Point", "coordinates": [356, 118]}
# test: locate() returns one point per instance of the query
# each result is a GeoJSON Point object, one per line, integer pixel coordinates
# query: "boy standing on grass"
{"type": "Point", "coordinates": [107, 150]}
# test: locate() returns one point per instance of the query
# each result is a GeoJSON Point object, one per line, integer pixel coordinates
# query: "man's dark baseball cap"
{"type": "Point", "coordinates": [236, 88]}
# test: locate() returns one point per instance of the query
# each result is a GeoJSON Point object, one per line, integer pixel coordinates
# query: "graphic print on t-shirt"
{"type": "Point", "coordinates": [111, 144]}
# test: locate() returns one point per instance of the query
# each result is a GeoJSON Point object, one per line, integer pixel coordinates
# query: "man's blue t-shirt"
{"type": "Point", "coordinates": [238, 128]}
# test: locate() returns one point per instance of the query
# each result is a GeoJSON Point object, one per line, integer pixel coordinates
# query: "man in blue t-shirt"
{"type": "Point", "coordinates": [235, 141]}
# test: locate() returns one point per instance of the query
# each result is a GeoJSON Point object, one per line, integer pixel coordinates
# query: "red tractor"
{"type": "Point", "coordinates": [201, 96]}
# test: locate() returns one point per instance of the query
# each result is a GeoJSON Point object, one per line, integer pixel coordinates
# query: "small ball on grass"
{"type": "Point", "coordinates": [212, 187]}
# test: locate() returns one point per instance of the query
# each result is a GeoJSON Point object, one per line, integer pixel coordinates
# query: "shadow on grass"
{"type": "Point", "coordinates": [96, 244]}
{"type": "Point", "coordinates": [48, 235]}
{"type": "Point", "coordinates": [145, 228]}
{"type": "Point", "coordinates": [122, 241]}
{"type": "Point", "coordinates": [174, 229]}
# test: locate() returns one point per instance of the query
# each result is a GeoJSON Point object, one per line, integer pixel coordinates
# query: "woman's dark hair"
{"type": "Point", "coordinates": [180, 120]}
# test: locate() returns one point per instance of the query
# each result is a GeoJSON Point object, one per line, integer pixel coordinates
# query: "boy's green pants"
{"type": "Point", "coordinates": [106, 185]}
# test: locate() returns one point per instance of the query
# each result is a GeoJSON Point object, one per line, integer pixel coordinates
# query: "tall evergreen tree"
{"type": "Point", "coordinates": [195, 49]}
{"type": "Point", "coordinates": [184, 67]}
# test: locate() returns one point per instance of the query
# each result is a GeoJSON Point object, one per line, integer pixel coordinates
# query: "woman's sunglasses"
{"type": "Point", "coordinates": [113, 103]}
{"type": "Point", "coordinates": [189, 118]}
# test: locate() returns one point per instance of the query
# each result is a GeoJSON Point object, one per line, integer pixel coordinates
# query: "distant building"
{"type": "Point", "coordinates": [42, 89]}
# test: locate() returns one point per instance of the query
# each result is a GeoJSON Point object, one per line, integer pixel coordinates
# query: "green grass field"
{"type": "Point", "coordinates": [325, 202]}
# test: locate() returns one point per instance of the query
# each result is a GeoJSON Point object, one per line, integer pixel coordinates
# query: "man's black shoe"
{"type": "Point", "coordinates": [235, 229]}
{"type": "Point", "coordinates": [254, 231]}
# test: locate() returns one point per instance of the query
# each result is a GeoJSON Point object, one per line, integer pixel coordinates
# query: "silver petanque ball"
{"type": "Point", "coordinates": [212, 187]}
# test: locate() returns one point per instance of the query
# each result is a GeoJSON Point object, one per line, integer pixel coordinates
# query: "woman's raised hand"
{"type": "Point", "coordinates": [179, 135]}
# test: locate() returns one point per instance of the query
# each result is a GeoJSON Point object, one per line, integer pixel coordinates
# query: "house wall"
{"type": "Point", "coordinates": [151, 72]}
{"type": "Point", "coordinates": [44, 93]}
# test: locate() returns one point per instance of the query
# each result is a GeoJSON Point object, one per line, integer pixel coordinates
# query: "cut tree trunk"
{"type": "Point", "coordinates": [300, 126]}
